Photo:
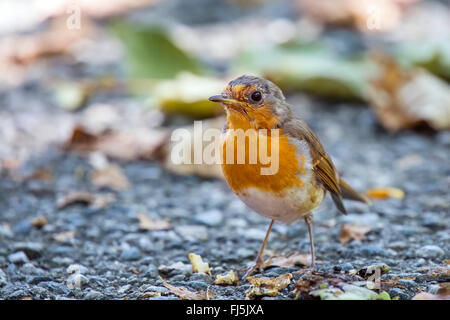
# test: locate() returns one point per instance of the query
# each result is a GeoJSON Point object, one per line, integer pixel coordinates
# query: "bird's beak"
{"type": "Point", "coordinates": [229, 103]}
{"type": "Point", "coordinates": [222, 98]}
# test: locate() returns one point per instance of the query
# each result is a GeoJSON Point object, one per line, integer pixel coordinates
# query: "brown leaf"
{"type": "Point", "coordinates": [84, 197]}
{"type": "Point", "coordinates": [385, 192]}
{"type": "Point", "coordinates": [204, 170]}
{"type": "Point", "coordinates": [112, 177]}
{"type": "Point", "coordinates": [229, 279]}
{"type": "Point", "coordinates": [290, 260]}
{"type": "Point", "coordinates": [145, 223]}
{"type": "Point", "coordinates": [198, 266]}
{"type": "Point", "coordinates": [349, 232]}
{"type": "Point", "coordinates": [407, 98]}
{"type": "Point", "coordinates": [186, 294]}
{"type": "Point", "coordinates": [41, 174]}
{"type": "Point", "coordinates": [39, 222]}
{"type": "Point", "coordinates": [443, 293]}
{"type": "Point", "coordinates": [267, 286]}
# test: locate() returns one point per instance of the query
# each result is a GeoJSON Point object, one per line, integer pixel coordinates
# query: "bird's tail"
{"type": "Point", "coordinates": [349, 193]}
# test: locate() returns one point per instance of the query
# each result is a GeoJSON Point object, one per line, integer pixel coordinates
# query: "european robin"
{"type": "Point", "coordinates": [305, 172]}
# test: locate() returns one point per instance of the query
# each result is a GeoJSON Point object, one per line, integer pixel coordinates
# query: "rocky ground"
{"type": "Point", "coordinates": [96, 249]}
{"type": "Point", "coordinates": [111, 258]}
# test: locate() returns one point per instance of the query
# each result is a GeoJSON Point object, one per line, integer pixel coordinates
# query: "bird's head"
{"type": "Point", "coordinates": [252, 102]}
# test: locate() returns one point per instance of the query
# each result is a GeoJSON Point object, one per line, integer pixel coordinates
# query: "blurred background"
{"type": "Point", "coordinates": [91, 90]}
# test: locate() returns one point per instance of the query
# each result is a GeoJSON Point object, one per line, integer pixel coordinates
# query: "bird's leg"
{"type": "Point", "coordinates": [259, 260]}
{"type": "Point", "coordinates": [309, 223]}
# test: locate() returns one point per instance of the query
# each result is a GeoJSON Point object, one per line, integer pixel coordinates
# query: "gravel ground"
{"type": "Point", "coordinates": [110, 258]}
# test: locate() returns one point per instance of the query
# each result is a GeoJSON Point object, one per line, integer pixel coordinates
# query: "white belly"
{"type": "Point", "coordinates": [290, 206]}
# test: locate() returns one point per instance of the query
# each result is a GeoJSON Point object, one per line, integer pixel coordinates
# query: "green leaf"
{"type": "Point", "coordinates": [151, 53]}
{"type": "Point", "coordinates": [312, 69]}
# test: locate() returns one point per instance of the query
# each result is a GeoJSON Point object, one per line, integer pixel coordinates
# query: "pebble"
{"type": "Point", "coordinates": [33, 250]}
{"type": "Point", "coordinates": [255, 234]}
{"type": "Point", "coordinates": [3, 280]}
{"type": "Point", "coordinates": [131, 254]}
{"type": "Point", "coordinates": [76, 281]}
{"type": "Point", "coordinates": [396, 292]}
{"type": "Point", "coordinates": [18, 257]}
{"type": "Point", "coordinates": [211, 218]}
{"type": "Point", "coordinates": [371, 250]}
{"type": "Point", "coordinates": [430, 252]}
{"type": "Point", "coordinates": [93, 295]}
{"type": "Point", "coordinates": [76, 268]}
{"type": "Point", "coordinates": [193, 232]}
{"type": "Point", "coordinates": [23, 227]}
{"type": "Point", "coordinates": [347, 266]}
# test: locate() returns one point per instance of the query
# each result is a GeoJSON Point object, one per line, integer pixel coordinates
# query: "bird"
{"type": "Point", "coordinates": [305, 172]}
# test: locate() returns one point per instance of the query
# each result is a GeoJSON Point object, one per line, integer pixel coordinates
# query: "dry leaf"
{"type": "Point", "coordinates": [150, 294]}
{"type": "Point", "coordinates": [406, 98]}
{"type": "Point", "coordinates": [95, 200]}
{"type": "Point", "coordinates": [64, 236]}
{"type": "Point", "coordinates": [203, 169]}
{"type": "Point", "coordinates": [186, 294]}
{"type": "Point", "coordinates": [366, 16]}
{"type": "Point", "coordinates": [267, 286]}
{"type": "Point", "coordinates": [39, 222]}
{"type": "Point", "coordinates": [385, 192]}
{"type": "Point", "coordinates": [443, 293]}
{"type": "Point", "coordinates": [229, 279]}
{"type": "Point", "coordinates": [127, 145]}
{"type": "Point", "coordinates": [290, 260]}
{"type": "Point", "coordinates": [198, 266]}
{"type": "Point", "coordinates": [111, 177]}
{"type": "Point", "coordinates": [349, 232]}
{"type": "Point", "coordinates": [145, 223]}
{"type": "Point", "coordinates": [41, 174]}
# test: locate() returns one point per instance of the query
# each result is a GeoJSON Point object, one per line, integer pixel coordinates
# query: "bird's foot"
{"type": "Point", "coordinates": [257, 266]}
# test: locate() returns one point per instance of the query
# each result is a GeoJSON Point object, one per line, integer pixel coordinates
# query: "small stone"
{"type": "Point", "coordinates": [408, 284]}
{"type": "Point", "coordinates": [33, 250]}
{"type": "Point", "coordinates": [371, 250]}
{"type": "Point", "coordinates": [3, 280]}
{"type": "Point", "coordinates": [211, 218]}
{"type": "Point", "coordinates": [255, 234]}
{"type": "Point", "coordinates": [76, 281]}
{"type": "Point", "coordinates": [193, 232]}
{"type": "Point", "coordinates": [93, 295]}
{"type": "Point", "coordinates": [38, 279]}
{"type": "Point", "coordinates": [22, 227]}
{"type": "Point", "coordinates": [347, 267]}
{"type": "Point", "coordinates": [76, 268]}
{"type": "Point", "coordinates": [18, 257]}
{"type": "Point", "coordinates": [130, 254]}
{"type": "Point", "coordinates": [430, 252]}
{"type": "Point", "coordinates": [396, 292]}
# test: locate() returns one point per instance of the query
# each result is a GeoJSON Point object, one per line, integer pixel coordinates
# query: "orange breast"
{"type": "Point", "coordinates": [247, 175]}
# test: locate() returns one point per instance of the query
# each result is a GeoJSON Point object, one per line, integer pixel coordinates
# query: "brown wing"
{"type": "Point", "coordinates": [324, 168]}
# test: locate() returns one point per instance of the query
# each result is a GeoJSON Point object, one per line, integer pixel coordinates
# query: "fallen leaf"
{"type": "Point", "coordinates": [228, 279]}
{"type": "Point", "coordinates": [385, 192]}
{"type": "Point", "coordinates": [267, 286]}
{"type": "Point", "coordinates": [145, 223]}
{"type": "Point", "coordinates": [355, 232]}
{"type": "Point", "coordinates": [110, 177]}
{"type": "Point", "coordinates": [198, 266]}
{"type": "Point", "coordinates": [290, 260]}
{"type": "Point", "coordinates": [443, 293]}
{"type": "Point", "coordinates": [349, 292]}
{"type": "Point", "coordinates": [407, 98]}
{"type": "Point", "coordinates": [150, 294]}
{"type": "Point", "coordinates": [186, 294]}
{"type": "Point", "coordinates": [97, 201]}
{"type": "Point", "coordinates": [189, 141]}
{"type": "Point", "coordinates": [41, 174]}
{"type": "Point", "coordinates": [64, 236]}
{"type": "Point", "coordinates": [39, 222]}
{"type": "Point", "coordinates": [188, 95]}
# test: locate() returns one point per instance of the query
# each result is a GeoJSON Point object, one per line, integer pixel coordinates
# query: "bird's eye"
{"type": "Point", "coordinates": [256, 96]}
